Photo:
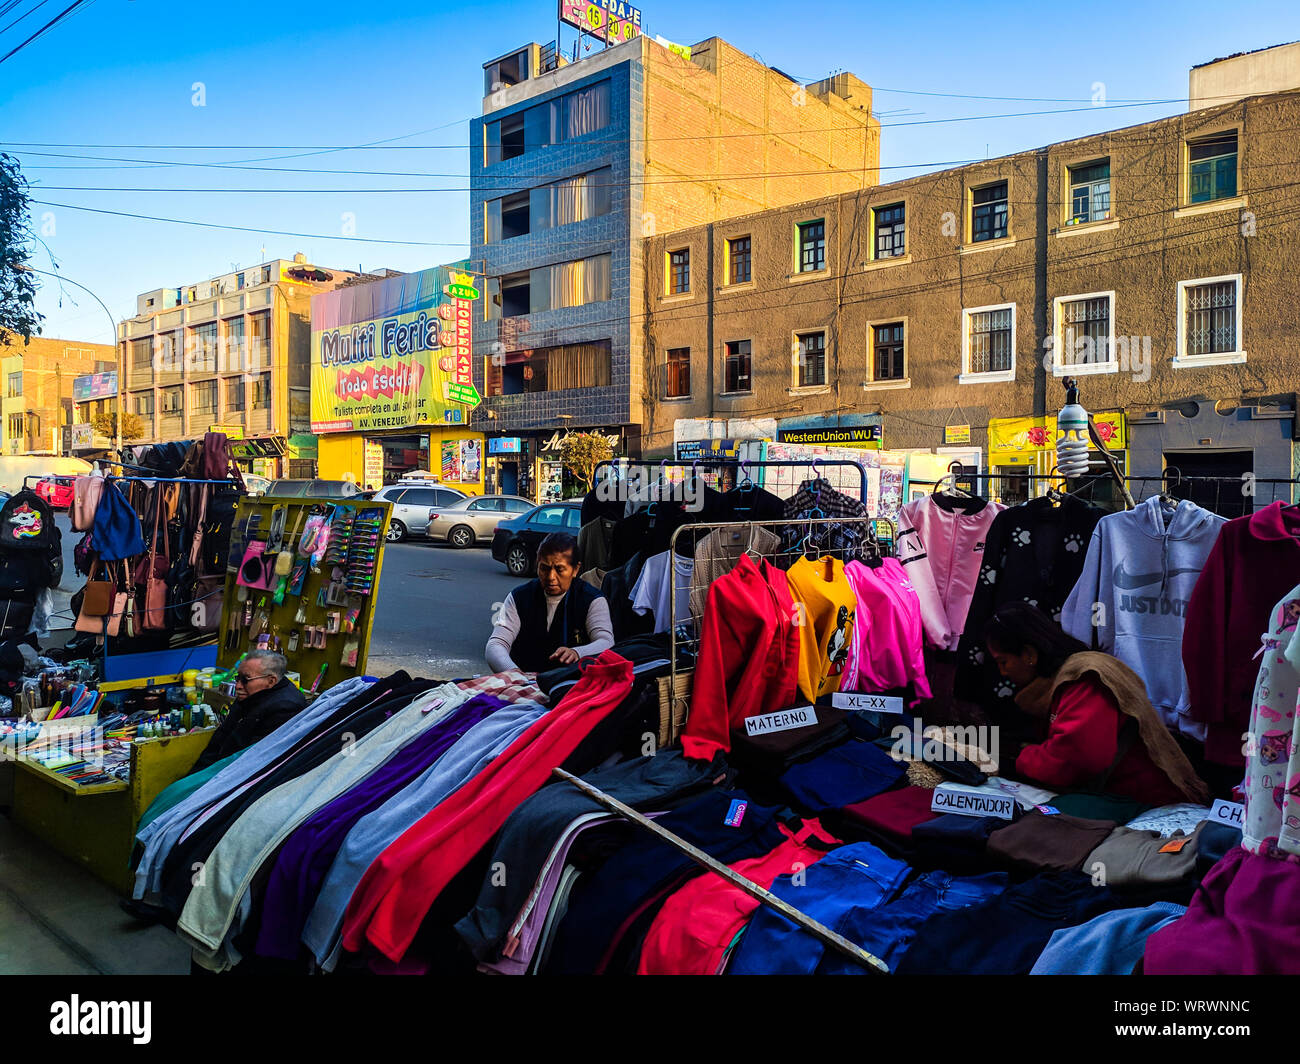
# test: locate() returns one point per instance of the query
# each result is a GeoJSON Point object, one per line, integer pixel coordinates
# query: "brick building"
{"type": "Point", "coordinates": [571, 167]}
{"type": "Point", "coordinates": [1156, 263]}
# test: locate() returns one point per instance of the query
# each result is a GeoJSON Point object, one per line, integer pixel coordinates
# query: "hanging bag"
{"type": "Point", "coordinates": [96, 603]}
{"type": "Point", "coordinates": [85, 499]}
{"type": "Point", "coordinates": [154, 616]}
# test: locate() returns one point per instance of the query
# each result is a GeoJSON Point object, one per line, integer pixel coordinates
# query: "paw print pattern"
{"type": "Point", "coordinates": [1032, 602]}
{"type": "Point", "coordinates": [1022, 538]}
{"type": "Point", "coordinates": [1073, 543]}
{"type": "Point", "coordinates": [1056, 616]}
{"type": "Point", "coordinates": [1004, 690]}
{"type": "Point", "coordinates": [989, 577]}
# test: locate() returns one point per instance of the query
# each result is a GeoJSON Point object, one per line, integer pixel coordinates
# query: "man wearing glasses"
{"type": "Point", "coordinates": [264, 700]}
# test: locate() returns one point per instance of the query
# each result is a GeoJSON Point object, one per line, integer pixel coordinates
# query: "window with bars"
{"type": "Point", "coordinates": [141, 354]}
{"type": "Point", "coordinates": [736, 367]}
{"type": "Point", "coordinates": [1089, 193]}
{"type": "Point", "coordinates": [887, 345]}
{"type": "Point", "coordinates": [989, 212]}
{"type": "Point", "coordinates": [1210, 318]}
{"type": "Point", "coordinates": [891, 231]}
{"type": "Point", "coordinates": [203, 347]}
{"type": "Point", "coordinates": [679, 271]}
{"type": "Point", "coordinates": [235, 395]}
{"type": "Point", "coordinates": [679, 373]}
{"type": "Point", "coordinates": [811, 360]}
{"type": "Point", "coordinates": [15, 385]}
{"type": "Point", "coordinates": [812, 246]}
{"type": "Point", "coordinates": [990, 342]}
{"type": "Point", "coordinates": [1084, 337]}
{"type": "Point", "coordinates": [1212, 168]}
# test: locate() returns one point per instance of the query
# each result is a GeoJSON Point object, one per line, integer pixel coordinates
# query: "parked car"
{"type": "Point", "coordinates": [57, 491]}
{"type": "Point", "coordinates": [474, 519]}
{"type": "Point", "coordinates": [311, 489]}
{"type": "Point", "coordinates": [515, 541]}
{"type": "Point", "coordinates": [256, 485]}
{"type": "Point", "coordinates": [413, 507]}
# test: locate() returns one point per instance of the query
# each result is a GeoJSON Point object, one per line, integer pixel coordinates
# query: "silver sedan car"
{"type": "Point", "coordinates": [469, 521]}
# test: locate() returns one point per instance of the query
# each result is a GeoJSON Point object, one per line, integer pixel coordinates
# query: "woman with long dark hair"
{"type": "Point", "coordinates": [1103, 734]}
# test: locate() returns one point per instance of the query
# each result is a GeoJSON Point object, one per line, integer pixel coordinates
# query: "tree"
{"type": "Point", "coordinates": [18, 315]}
{"type": "Point", "coordinates": [106, 425]}
{"type": "Point", "coordinates": [581, 452]}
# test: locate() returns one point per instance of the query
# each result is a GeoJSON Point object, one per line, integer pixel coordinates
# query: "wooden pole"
{"type": "Point", "coordinates": [765, 897]}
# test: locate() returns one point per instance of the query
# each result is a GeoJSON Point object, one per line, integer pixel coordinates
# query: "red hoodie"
{"type": "Point", "coordinates": [748, 660]}
{"type": "Point", "coordinates": [1081, 744]}
{"type": "Point", "coordinates": [1252, 564]}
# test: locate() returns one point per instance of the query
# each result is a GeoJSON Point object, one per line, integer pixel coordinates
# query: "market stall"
{"type": "Point", "coordinates": [759, 775]}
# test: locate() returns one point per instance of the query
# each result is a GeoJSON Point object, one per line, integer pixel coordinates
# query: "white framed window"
{"type": "Point", "coordinates": [988, 344]}
{"type": "Point", "coordinates": [1083, 334]}
{"type": "Point", "coordinates": [1209, 322]}
{"type": "Point", "coordinates": [809, 352]}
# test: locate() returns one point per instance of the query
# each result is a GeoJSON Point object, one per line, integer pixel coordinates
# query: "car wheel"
{"type": "Point", "coordinates": [517, 561]}
{"type": "Point", "coordinates": [396, 532]}
{"type": "Point", "coordinates": [461, 536]}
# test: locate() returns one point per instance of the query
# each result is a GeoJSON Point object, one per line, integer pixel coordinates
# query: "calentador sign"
{"type": "Point", "coordinates": [394, 353]}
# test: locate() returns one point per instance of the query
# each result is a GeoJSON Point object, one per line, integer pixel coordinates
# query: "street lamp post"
{"type": "Point", "coordinates": [116, 347]}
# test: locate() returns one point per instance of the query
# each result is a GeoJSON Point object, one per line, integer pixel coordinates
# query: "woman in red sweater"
{"type": "Point", "coordinates": [1103, 733]}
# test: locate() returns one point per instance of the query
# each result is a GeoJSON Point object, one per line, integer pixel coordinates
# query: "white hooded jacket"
{"type": "Point", "coordinates": [1131, 599]}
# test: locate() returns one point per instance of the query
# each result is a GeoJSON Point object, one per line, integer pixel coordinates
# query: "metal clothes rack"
{"type": "Point", "coordinates": [815, 466]}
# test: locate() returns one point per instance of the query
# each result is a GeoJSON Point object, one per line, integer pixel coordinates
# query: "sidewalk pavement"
{"type": "Point", "coordinates": [58, 919]}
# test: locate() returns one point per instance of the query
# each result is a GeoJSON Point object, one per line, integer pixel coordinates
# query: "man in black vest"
{"type": "Point", "coordinates": [555, 619]}
{"type": "Point", "coordinates": [264, 700]}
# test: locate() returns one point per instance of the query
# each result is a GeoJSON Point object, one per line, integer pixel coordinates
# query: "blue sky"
{"type": "Point", "coordinates": [122, 72]}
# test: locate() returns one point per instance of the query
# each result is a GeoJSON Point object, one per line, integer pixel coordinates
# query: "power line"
{"type": "Point", "coordinates": [28, 13]}
{"type": "Point", "coordinates": [48, 26]}
{"type": "Point", "coordinates": [250, 229]}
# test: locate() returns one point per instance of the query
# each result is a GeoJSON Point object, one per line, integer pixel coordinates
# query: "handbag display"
{"type": "Point", "coordinates": [154, 615]}
{"type": "Point", "coordinates": [102, 607]}
{"type": "Point", "coordinates": [85, 498]}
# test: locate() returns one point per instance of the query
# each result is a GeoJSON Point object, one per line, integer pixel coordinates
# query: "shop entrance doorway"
{"type": "Point", "coordinates": [404, 454]}
{"type": "Point", "coordinates": [1227, 499]}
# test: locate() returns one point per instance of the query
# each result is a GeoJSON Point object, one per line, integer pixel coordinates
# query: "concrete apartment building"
{"type": "Point", "coordinates": [571, 167]}
{"type": "Point", "coordinates": [233, 354]}
{"type": "Point", "coordinates": [37, 408]}
{"type": "Point", "coordinates": [1155, 263]}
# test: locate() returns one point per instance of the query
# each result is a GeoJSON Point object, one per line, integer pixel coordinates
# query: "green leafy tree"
{"type": "Point", "coordinates": [106, 425]}
{"type": "Point", "coordinates": [581, 452]}
{"type": "Point", "coordinates": [18, 316]}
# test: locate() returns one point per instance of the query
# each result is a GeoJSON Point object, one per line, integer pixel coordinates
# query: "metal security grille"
{"type": "Point", "coordinates": [1212, 318]}
{"type": "Point", "coordinates": [1085, 335]}
{"type": "Point", "coordinates": [990, 341]}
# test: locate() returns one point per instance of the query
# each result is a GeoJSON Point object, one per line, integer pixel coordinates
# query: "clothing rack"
{"type": "Point", "coordinates": [880, 535]}
{"type": "Point", "coordinates": [740, 466]}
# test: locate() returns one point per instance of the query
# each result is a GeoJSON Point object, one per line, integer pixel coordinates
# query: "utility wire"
{"type": "Point", "coordinates": [48, 26]}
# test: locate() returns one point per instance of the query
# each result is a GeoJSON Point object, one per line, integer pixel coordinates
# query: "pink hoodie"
{"type": "Point", "coordinates": [885, 652]}
{"type": "Point", "coordinates": [941, 542]}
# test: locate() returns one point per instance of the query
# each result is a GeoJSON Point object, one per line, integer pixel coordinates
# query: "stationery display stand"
{"type": "Point", "coordinates": [316, 608]}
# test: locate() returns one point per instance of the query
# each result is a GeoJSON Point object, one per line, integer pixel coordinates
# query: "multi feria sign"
{"type": "Point", "coordinates": [394, 353]}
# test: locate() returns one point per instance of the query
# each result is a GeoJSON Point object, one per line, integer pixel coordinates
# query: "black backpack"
{"type": "Point", "coordinates": [27, 524]}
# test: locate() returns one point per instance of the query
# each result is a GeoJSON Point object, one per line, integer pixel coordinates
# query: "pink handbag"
{"type": "Point", "coordinates": [85, 499]}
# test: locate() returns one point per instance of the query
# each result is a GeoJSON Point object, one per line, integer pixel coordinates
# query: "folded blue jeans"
{"type": "Point", "coordinates": [887, 932]}
{"type": "Point", "coordinates": [838, 891]}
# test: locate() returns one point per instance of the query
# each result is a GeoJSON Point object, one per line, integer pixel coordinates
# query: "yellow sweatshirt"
{"type": "Point", "coordinates": [824, 608]}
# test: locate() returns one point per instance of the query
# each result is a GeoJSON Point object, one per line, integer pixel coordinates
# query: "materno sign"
{"type": "Point", "coordinates": [785, 720]}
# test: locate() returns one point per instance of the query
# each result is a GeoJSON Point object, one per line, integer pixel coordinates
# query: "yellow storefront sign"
{"type": "Point", "coordinates": [1020, 435]}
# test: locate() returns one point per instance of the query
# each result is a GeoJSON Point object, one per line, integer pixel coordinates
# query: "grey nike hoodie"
{"type": "Point", "coordinates": [1131, 599]}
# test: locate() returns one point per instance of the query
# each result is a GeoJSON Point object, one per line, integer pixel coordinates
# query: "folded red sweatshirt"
{"type": "Point", "coordinates": [748, 659]}
{"type": "Point", "coordinates": [1254, 561]}
{"type": "Point", "coordinates": [400, 886]}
